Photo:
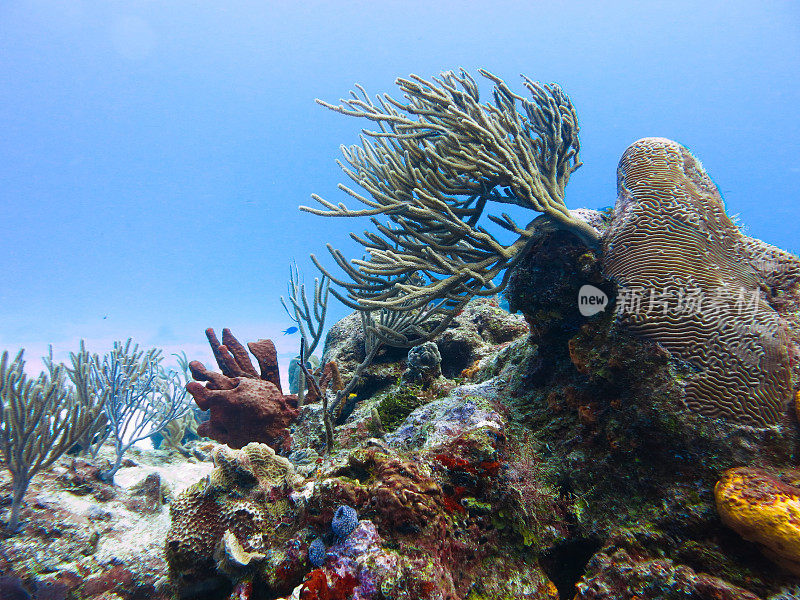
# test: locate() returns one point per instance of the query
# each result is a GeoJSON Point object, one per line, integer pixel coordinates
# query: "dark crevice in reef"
{"type": "Point", "coordinates": [348, 406]}
{"type": "Point", "coordinates": [370, 387]}
{"type": "Point", "coordinates": [390, 355]}
{"type": "Point", "coordinates": [357, 472]}
{"type": "Point", "coordinates": [565, 563]}
{"type": "Point", "coordinates": [456, 356]}
{"type": "Point", "coordinates": [216, 588]}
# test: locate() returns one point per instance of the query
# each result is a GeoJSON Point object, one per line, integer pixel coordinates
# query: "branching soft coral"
{"type": "Point", "coordinates": [436, 162]}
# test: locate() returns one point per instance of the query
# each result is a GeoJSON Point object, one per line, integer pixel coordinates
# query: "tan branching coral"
{"type": "Point", "coordinates": [433, 166]}
{"type": "Point", "coordinates": [692, 282]}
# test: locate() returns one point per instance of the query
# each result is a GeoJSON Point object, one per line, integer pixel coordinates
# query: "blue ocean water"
{"type": "Point", "coordinates": [154, 154]}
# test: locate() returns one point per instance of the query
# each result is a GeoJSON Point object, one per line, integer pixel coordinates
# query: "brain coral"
{"type": "Point", "coordinates": [691, 281]}
{"type": "Point", "coordinates": [240, 517]}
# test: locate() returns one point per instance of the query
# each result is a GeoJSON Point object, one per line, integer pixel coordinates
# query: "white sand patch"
{"type": "Point", "coordinates": [135, 534]}
{"type": "Point", "coordinates": [177, 476]}
{"type": "Point", "coordinates": [129, 536]}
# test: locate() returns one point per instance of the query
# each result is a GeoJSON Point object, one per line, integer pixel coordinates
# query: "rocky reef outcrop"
{"type": "Point", "coordinates": [563, 453]}
{"type": "Point", "coordinates": [593, 441]}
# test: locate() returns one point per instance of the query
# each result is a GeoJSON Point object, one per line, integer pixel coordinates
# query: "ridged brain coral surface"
{"type": "Point", "coordinates": [690, 281]}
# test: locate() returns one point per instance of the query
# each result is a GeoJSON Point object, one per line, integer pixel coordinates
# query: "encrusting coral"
{"type": "Point", "coordinates": [623, 571]}
{"type": "Point", "coordinates": [689, 281]}
{"type": "Point", "coordinates": [238, 521]}
{"type": "Point", "coordinates": [764, 510]}
{"type": "Point", "coordinates": [244, 407]}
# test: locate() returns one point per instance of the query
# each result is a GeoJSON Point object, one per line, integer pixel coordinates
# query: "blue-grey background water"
{"type": "Point", "coordinates": [153, 154]}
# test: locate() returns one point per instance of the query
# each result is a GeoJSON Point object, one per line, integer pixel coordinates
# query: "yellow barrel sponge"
{"type": "Point", "coordinates": [764, 510]}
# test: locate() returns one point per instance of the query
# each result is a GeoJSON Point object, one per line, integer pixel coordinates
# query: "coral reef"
{"type": "Point", "coordinates": [441, 497]}
{"type": "Point", "coordinates": [479, 331]}
{"type": "Point", "coordinates": [396, 494]}
{"type": "Point", "coordinates": [244, 406]}
{"type": "Point", "coordinates": [331, 379]}
{"type": "Point", "coordinates": [177, 432]}
{"type": "Point", "coordinates": [396, 405]}
{"type": "Point", "coordinates": [345, 346]}
{"type": "Point", "coordinates": [148, 495]}
{"type": "Point", "coordinates": [592, 391]}
{"type": "Point", "coordinates": [252, 410]}
{"type": "Point", "coordinates": [547, 455]}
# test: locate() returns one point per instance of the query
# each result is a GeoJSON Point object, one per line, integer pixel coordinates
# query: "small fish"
{"type": "Point", "coordinates": [290, 331]}
{"type": "Point", "coordinates": [606, 212]}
